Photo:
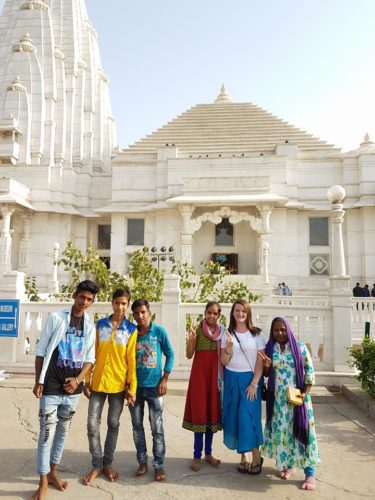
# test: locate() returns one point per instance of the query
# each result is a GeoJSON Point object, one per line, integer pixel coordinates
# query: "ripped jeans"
{"type": "Point", "coordinates": [55, 415]}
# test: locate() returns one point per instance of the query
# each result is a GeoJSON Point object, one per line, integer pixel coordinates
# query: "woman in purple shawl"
{"type": "Point", "coordinates": [290, 430]}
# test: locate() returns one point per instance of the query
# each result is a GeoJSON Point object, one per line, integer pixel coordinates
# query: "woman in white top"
{"type": "Point", "coordinates": [241, 413]}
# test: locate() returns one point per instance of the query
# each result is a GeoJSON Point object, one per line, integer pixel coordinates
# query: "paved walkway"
{"type": "Point", "coordinates": [346, 439]}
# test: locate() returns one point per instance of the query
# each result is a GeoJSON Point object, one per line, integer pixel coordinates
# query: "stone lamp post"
{"type": "Point", "coordinates": [336, 195]}
{"type": "Point", "coordinates": [340, 294]}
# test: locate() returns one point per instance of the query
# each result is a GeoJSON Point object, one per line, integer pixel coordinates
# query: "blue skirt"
{"type": "Point", "coordinates": [241, 418]}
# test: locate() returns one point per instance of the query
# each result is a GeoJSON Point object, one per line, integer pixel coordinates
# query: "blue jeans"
{"type": "Point", "coordinates": [155, 409]}
{"type": "Point", "coordinates": [55, 416]}
{"type": "Point", "coordinates": [115, 407]}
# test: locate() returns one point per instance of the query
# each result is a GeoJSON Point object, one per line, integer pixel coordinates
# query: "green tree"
{"type": "Point", "coordinates": [146, 282]}
{"type": "Point", "coordinates": [31, 289]}
{"type": "Point", "coordinates": [88, 265]}
{"type": "Point", "coordinates": [143, 280]}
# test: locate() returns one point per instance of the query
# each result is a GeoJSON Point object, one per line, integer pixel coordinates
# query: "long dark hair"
{"type": "Point", "coordinates": [249, 322]}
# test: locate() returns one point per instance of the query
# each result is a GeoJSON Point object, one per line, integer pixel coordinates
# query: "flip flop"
{"type": "Point", "coordinates": [243, 467]}
{"type": "Point", "coordinates": [254, 470]}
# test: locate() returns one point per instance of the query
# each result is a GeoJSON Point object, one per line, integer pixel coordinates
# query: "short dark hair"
{"type": "Point", "coordinates": [139, 303]}
{"type": "Point", "coordinates": [87, 286]}
{"type": "Point", "coordinates": [121, 292]}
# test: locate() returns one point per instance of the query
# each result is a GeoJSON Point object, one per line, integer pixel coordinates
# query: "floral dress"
{"type": "Point", "coordinates": [279, 440]}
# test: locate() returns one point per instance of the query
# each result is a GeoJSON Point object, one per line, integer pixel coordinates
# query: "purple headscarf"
{"type": "Point", "coordinates": [300, 418]}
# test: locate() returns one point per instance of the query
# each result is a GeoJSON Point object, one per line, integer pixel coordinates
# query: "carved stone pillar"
{"type": "Point", "coordinates": [263, 244]}
{"type": "Point", "coordinates": [24, 249]}
{"type": "Point", "coordinates": [54, 283]}
{"type": "Point", "coordinates": [6, 240]}
{"type": "Point", "coordinates": [265, 252]}
{"type": "Point", "coordinates": [187, 233]}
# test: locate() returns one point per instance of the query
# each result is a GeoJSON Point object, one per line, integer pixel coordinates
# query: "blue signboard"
{"type": "Point", "coordinates": [9, 317]}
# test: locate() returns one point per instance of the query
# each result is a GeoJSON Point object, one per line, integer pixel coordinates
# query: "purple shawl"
{"type": "Point", "coordinates": [300, 418]}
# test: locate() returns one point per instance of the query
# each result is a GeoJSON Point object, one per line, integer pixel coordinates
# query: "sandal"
{"type": "Point", "coordinates": [243, 467]}
{"type": "Point", "coordinates": [254, 470]}
{"type": "Point", "coordinates": [309, 483]}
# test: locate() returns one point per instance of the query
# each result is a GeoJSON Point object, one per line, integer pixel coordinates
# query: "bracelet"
{"type": "Point", "coordinates": [76, 381]}
{"type": "Point", "coordinates": [255, 386]}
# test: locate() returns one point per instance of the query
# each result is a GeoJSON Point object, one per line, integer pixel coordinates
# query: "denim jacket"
{"type": "Point", "coordinates": [53, 332]}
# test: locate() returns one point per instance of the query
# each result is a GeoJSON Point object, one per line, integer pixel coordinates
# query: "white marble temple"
{"type": "Point", "coordinates": [61, 177]}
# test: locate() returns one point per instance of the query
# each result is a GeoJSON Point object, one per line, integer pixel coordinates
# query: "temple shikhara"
{"type": "Point", "coordinates": [224, 180]}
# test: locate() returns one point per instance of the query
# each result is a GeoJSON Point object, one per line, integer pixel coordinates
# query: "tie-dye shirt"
{"type": "Point", "coordinates": [66, 360]}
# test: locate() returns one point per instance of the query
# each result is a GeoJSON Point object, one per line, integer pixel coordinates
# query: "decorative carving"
{"type": "Point", "coordinates": [34, 5]}
{"type": "Point", "coordinates": [24, 45]}
{"type": "Point", "coordinates": [17, 86]}
{"type": "Point", "coordinates": [81, 63]}
{"type": "Point", "coordinates": [90, 28]}
{"type": "Point", "coordinates": [265, 212]}
{"type": "Point", "coordinates": [319, 264]}
{"type": "Point", "coordinates": [192, 225]}
{"type": "Point", "coordinates": [58, 54]}
{"type": "Point", "coordinates": [103, 76]}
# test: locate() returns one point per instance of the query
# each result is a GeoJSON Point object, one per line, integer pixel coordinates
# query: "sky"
{"type": "Point", "coordinates": [310, 62]}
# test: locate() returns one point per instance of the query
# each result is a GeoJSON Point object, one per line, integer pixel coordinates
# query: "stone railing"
{"type": "Point", "coordinates": [314, 320]}
{"type": "Point", "coordinates": [310, 324]}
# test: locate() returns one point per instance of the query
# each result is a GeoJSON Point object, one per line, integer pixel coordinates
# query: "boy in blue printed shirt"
{"type": "Point", "coordinates": [152, 342]}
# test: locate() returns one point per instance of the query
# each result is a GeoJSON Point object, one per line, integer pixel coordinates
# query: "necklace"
{"type": "Point", "coordinates": [75, 327]}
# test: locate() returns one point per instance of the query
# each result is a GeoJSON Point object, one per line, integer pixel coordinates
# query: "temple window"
{"type": "Point", "coordinates": [224, 233]}
{"type": "Point", "coordinates": [319, 234]}
{"type": "Point", "coordinates": [136, 232]}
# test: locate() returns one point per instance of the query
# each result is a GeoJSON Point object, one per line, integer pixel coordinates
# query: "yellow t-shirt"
{"type": "Point", "coordinates": [115, 365]}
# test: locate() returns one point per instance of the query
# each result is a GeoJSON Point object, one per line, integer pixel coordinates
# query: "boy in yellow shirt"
{"type": "Point", "coordinates": [113, 377]}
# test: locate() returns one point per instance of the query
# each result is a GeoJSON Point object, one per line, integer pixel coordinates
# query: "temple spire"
{"type": "Point", "coordinates": [223, 96]}
{"type": "Point", "coordinates": [52, 82]}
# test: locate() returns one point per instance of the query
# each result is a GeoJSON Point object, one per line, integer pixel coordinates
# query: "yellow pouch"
{"type": "Point", "coordinates": [293, 396]}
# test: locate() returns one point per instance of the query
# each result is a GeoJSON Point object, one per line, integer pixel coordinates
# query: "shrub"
{"type": "Point", "coordinates": [363, 358]}
{"type": "Point", "coordinates": [208, 284]}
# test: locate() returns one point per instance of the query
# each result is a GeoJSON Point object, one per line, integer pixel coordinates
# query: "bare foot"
{"type": "Point", "coordinates": [91, 476]}
{"type": "Point", "coordinates": [196, 464]}
{"type": "Point", "coordinates": [110, 474]}
{"type": "Point", "coordinates": [215, 462]}
{"type": "Point", "coordinates": [56, 482]}
{"type": "Point", "coordinates": [41, 493]}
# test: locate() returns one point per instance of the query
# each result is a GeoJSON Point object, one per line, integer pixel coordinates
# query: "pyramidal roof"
{"type": "Point", "coordinates": [227, 127]}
